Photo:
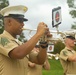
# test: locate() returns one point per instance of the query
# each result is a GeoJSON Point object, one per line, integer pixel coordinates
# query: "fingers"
{"type": "Point", "coordinates": [47, 32]}
{"type": "Point", "coordinates": [43, 29]}
{"type": "Point", "coordinates": [42, 23]}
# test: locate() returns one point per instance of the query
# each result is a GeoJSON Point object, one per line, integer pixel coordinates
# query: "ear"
{"type": "Point", "coordinates": [9, 21]}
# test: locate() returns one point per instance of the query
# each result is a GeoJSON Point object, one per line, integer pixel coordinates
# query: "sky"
{"type": "Point", "coordinates": [41, 11]}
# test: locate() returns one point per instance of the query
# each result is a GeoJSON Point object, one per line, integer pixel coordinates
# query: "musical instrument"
{"type": "Point", "coordinates": [57, 35]}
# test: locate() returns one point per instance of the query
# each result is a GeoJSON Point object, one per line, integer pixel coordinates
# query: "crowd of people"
{"type": "Point", "coordinates": [18, 58]}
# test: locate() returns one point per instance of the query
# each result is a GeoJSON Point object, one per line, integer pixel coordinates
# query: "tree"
{"type": "Point", "coordinates": [72, 6]}
{"type": "Point", "coordinates": [58, 47]}
{"type": "Point", "coordinates": [22, 38]}
{"type": "Point", "coordinates": [74, 25]}
{"type": "Point", "coordinates": [3, 3]}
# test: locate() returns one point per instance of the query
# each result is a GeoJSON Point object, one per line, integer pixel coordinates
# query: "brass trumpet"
{"type": "Point", "coordinates": [44, 38]}
{"type": "Point", "coordinates": [29, 29]}
{"type": "Point", "coordinates": [57, 35]}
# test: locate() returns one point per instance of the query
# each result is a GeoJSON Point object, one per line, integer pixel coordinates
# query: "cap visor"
{"type": "Point", "coordinates": [25, 19]}
{"type": "Point", "coordinates": [71, 37]}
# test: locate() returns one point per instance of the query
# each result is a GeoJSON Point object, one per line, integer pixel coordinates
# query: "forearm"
{"type": "Point", "coordinates": [72, 58]}
{"type": "Point", "coordinates": [43, 52]}
{"type": "Point", "coordinates": [46, 65]}
{"type": "Point", "coordinates": [22, 50]}
{"type": "Point", "coordinates": [39, 58]}
{"type": "Point", "coordinates": [42, 55]}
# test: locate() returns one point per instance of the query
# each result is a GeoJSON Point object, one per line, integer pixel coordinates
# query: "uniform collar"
{"type": "Point", "coordinates": [8, 35]}
{"type": "Point", "coordinates": [68, 49]}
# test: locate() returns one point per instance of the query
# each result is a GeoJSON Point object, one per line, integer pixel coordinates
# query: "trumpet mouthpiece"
{"type": "Point", "coordinates": [28, 29]}
{"type": "Point", "coordinates": [23, 29]}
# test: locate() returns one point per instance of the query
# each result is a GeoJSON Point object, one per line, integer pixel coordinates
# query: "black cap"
{"type": "Point", "coordinates": [71, 37]}
{"type": "Point", "coordinates": [17, 16]}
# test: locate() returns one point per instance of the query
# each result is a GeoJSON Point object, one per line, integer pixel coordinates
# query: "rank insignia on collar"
{"type": "Point", "coordinates": [4, 41]}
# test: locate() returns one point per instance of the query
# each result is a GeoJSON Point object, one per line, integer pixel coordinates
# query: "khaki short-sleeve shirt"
{"type": "Point", "coordinates": [37, 70]}
{"type": "Point", "coordinates": [68, 66]}
{"type": "Point", "coordinates": [9, 66]}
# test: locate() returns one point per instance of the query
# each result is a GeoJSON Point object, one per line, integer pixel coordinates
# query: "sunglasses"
{"type": "Point", "coordinates": [20, 20]}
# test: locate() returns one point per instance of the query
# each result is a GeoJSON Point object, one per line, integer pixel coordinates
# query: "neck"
{"type": "Point", "coordinates": [15, 36]}
{"type": "Point", "coordinates": [71, 48]}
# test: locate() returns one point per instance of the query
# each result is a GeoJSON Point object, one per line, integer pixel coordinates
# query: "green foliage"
{"type": "Point", "coordinates": [1, 29]}
{"type": "Point", "coordinates": [73, 13]}
{"type": "Point", "coordinates": [3, 3]}
{"type": "Point", "coordinates": [75, 47]}
{"type": "Point", "coordinates": [22, 38]}
{"type": "Point", "coordinates": [58, 47]}
{"type": "Point", "coordinates": [1, 24]}
{"type": "Point", "coordinates": [74, 25]}
{"type": "Point", "coordinates": [71, 4]}
{"type": "Point", "coordinates": [56, 68]}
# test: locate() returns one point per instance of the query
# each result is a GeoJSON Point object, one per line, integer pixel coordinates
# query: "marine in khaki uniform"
{"type": "Point", "coordinates": [13, 53]}
{"type": "Point", "coordinates": [35, 69]}
{"type": "Point", "coordinates": [9, 66]}
{"type": "Point", "coordinates": [68, 56]}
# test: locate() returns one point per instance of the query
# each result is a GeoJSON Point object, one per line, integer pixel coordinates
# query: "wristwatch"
{"type": "Point", "coordinates": [43, 44]}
